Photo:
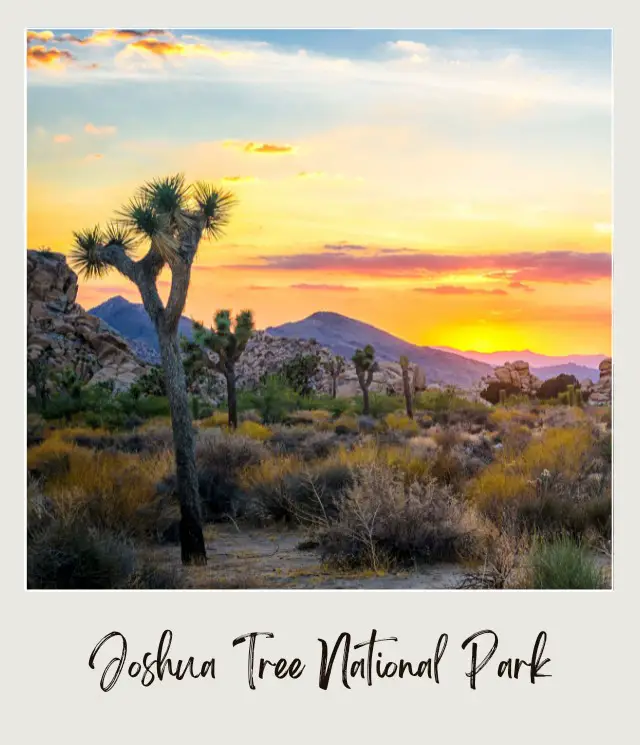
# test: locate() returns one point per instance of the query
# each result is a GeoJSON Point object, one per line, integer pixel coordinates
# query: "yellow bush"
{"type": "Point", "coordinates": [348, 422]}
{"type": "Point", "coordinates": [562, 451]}
{"type": "Point", "coordinates": [254, 430]}
{"type": "Point", "coordinates": [217, 419]}
{"type": "Point", "coordinates": [270, 470]}
{"type": "Point", "coordinates": [401, 423]}
{"type": "Point", "coordinates": [112, 485]}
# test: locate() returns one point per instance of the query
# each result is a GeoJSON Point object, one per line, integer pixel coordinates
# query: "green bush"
{"type": "Point", "coordinates": [380, 404]}
{"type": "Point", "coordinates": [273, 399]}
{"type": "Point", "coordinates": [563, 564]}
{"type": "Point", "coordinates": [299, 372]}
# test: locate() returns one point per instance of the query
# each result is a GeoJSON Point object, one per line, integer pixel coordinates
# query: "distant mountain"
{"type": "Point", "coordinates": [533, 358]}
{"type": "Point", "coordinates": [580, 371]}
{"type": "Point", "coordinates": [344, 335]}
{"type": "Point", "coordinates": [132, 321]}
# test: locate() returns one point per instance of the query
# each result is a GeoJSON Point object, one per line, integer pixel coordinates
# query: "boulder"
{"type": "Point", "coordinates": [59, 327]}
{"type": "Point", "coordinates": [516, 374]}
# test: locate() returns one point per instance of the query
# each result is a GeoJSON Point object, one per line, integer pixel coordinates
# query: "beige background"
{"type": "Point", "coordinates": [49, 692]}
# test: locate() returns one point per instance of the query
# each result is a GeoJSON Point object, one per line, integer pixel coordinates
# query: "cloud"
{"type": "Point", "coordinates": [603, 227]}
{"type": "Point", "coordinates": [257, 147]}
{"type": "Point", "coordinates": [40, 56]}
{"type": "Point", "coordinates": [458, 290]}
{"type": "Point", "coordinates": [344, 247]}
{"type": "Point", "coordinates": [94, 156]}
{"type": "Point", "coordinates": [239, 179]}
{"type": "Point", "coordinates": [565, 267]}
{"type": "Point", "coordinates": [414, 51]}
{"type": "Point", "coordinates": [92, 129]}
{"type": "Point", "coordinates": [106, 36]}
{"type": "Point", "coordinates": [60, 139]}
{"type": "Point", "coordinates": [521, 286]}
{"type": "Point", "coordinates": [39, 36]}
{"type": "Point", "coordinates": [324, 288]}
{"type": "Point", "coordinates": [160, 48]}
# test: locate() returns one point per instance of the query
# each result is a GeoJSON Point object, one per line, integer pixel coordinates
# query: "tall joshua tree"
{"type": "Point", "coordinates": [366, 365]}
{"type": "Point", "coordinates": [170, 218]}
{"type": "Point", "coordinates": [404, 364]}
{"type": "Point", "coordinates": [228, 344]}
{"type": "Point", "coordinates": [335, 367]}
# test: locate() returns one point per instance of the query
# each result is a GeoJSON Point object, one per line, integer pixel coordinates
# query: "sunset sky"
{"type": "Point", "coordinates": [452, 188]}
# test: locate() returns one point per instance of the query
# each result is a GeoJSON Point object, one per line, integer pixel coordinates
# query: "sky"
{"type": "Point", "coordinates": [450, 187]}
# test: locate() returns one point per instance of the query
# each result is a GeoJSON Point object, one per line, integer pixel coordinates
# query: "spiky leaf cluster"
{"type": "Point", "coordinates": [162, 212]}
{"type": "Point", "coordinates": [227, 340]}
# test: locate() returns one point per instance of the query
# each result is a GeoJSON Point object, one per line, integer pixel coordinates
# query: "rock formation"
{"type": "Point", "coordinates": [59, 328]}
{"type": "Point", "coordinates": [516, 374]}
{"type": "Point", "coordinates": [600, 392]}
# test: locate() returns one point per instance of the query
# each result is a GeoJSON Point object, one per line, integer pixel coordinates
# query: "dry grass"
{"type": "Point", "coordinates": [401, 423]}
{"type": "Point", "coordinates": [254, 430]}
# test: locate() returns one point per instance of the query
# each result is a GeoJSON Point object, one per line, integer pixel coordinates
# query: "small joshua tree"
{"type": "Point", "coordinates": [404, 364]}
{"type": "Point", "coordinates": [366, 365]}
{"type": "Point", "coordinates": [170, 218]}
{"type": "Point", "coordinates": [335, 368]}
{"type": "Point", "coordinates": [228, 345]}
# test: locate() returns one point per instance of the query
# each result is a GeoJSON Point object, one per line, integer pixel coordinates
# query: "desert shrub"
{"type": "Point", "coordinates": [70, 553]}
{"type": "Point", "coordinates": [250, 415]}
{"type": "Point", "coordinates": [295, 492]}
{"type": "Point", "coordinates": [380, 404]}
{"type": "Point", "coordinates": [563, 564]}
{"type": "Point", "coordinates": [382, 521]}
{"type": "Point", "coordinates": [151, 441]}
{"type": "Point", "coordinates": [303, 441]}
{"type": "Point", "coordinates": [346, 424]}
{"type": "Point", "coordinates": [220, 459]}
{"type": "Point", "coordinates": [35, 429]}
{"type": "Point", "coordinates": [300, 372]}
{"type": "Point", "coordinates": [109, 486]}
{"type": "Point", "coordinates": [553, 387]}
{"type": "Point", "coordinates": [318, 417]}
{"type": "Point", "coordinates": [492, 392]}
{"type": "Point", "coordinates": [401, 423]}
{"type": "Point", "coordinates": [273, 399]}
{"type": "Point", "coordinates": [150, 383]}
{"type": "Point", "coordinates": [253, 430]}
{"type": "Point", "coordinates": [150, 577]}
{"type": "Point", "coordinates": [216, 419]}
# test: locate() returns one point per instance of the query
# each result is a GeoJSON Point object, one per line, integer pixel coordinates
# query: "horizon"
{"type": "Point", "coordinates": [452, 188]}
{"type": "Point", "coordinates": [357, 320]}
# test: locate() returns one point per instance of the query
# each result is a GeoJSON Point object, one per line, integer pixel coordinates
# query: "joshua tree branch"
{"type": "Point", "coordinates": [180, 277]}
{"type": "Point", "coordinates": [114, 255]}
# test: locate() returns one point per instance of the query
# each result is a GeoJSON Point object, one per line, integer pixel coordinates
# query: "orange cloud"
{"type": "Point", "coordinates": [39, 36]}
{"type": "Point", "coordinates": [43, 57]}
{"type": "Point", "coordinates": [105, 130]}
{"type": "Point", "coordinates": [60, 139]}
{"type": "Point", "coordinates": [94, 156]}
{"type": "Point", "coordinates": [458, 290]}
{"type": "Point", "coordinates": [255, 147]}
{"type": "Point", "coordinates": [106, 36]}
{"type": "Point", "coordinates": [239, 179]}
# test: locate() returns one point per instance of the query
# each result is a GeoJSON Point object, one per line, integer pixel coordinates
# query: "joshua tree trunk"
{"type": "Point", "coordinates": [334, 386]}
{"type": "Point", "coordinates": [407, 392]}
{"type": "Point", "coordinates": [191, 537]}
{"type": "Point", "coordinates": [230, 375]}
{"type": "Point", "coordinates": [365, 400]}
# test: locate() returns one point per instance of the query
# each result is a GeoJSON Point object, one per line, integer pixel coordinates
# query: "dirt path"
{"type": "Point", "coordinates": [254, 559]}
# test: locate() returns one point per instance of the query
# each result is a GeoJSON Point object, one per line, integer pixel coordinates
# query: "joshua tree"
{"type": "Point", "coordinates": [228, 344]}
{"type": "Point", "coordinates": [170, 218]}
{"type": "Point", "coordinates": [366, 365]}
{"type": "Point", "coordinates": [404, 364]}
{"type": "Point", "coordinates": [335, 368]}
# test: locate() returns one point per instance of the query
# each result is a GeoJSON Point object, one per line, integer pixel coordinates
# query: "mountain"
{"type": "Point", "coordinates": [344, 335]}
{"type": "Point", "coordinates": [132, 321]}
{"type": "Point", "coordinates": [533, 358]}
{"type": "Point", "coordinates": [580, 371]}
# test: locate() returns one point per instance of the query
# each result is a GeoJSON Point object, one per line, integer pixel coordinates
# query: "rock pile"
{"type": "Point", "coordinates": [600, 392]}
{"type": "Point", "coordinates": [516, 374]}
{"type": "Point", "coordinates": [60, 329]}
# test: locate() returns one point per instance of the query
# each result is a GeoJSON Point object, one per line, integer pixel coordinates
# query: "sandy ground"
{"type": "Point", "coordinates": [265, 559]}
{"type": "Point", "coordinates": [253, 559]}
